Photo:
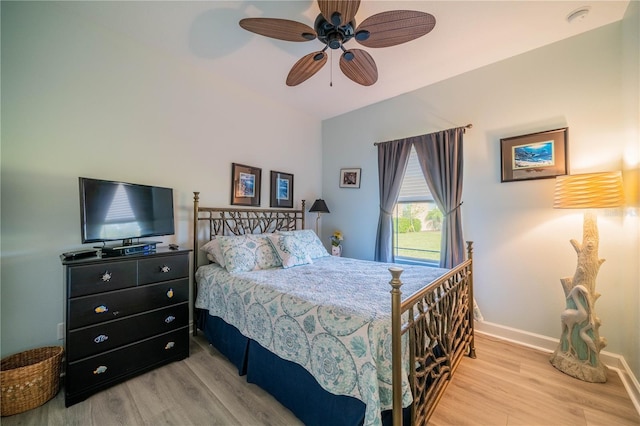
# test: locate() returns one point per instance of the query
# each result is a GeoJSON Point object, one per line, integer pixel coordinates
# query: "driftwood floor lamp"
{"type": "Point", "coordinates": [578, 353]}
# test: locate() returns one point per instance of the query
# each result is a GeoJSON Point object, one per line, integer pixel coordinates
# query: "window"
{"type": "Point", "coordinates": [417, 221]}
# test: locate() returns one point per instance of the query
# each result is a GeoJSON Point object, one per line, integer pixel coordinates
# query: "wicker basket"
{"type": "Point", "coordinates": [30, 378]}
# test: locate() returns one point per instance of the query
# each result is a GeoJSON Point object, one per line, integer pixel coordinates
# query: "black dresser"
{"type": "Point", "coordinates": [124, 316]}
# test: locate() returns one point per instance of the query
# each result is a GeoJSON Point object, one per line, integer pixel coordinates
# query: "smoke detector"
{"type": "Point", "coordinates": [578, 15]}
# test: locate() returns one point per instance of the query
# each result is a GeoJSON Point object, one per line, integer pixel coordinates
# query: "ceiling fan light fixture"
{"type": "Point", "coordinates": [334, 41]}
{"type": "Point", "coordinates": [331, 35]}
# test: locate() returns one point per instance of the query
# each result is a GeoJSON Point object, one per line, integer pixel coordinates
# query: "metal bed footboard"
{"type": "Point", "coordinates": [438, 322]}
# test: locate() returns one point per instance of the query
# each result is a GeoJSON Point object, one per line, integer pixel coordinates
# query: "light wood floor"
{"type": "Point", "coordinates": [509, 384]}
{"type": "Point", "coordinates": [506, 385]}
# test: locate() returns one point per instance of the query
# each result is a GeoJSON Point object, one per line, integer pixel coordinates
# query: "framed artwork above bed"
{"type": "Point", "coordinates": [245, 185]}
{"type": "Point", "coordinates": [281, 189]}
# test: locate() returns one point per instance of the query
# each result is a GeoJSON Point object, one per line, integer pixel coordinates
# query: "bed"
{"type": "Point", "coordinates": [323, 334]}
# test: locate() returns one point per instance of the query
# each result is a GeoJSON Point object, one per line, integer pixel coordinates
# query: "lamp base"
{"type": "Point", "coordinates": [574, 367]}
{"type": "Point", "coordinates": [578, 353]}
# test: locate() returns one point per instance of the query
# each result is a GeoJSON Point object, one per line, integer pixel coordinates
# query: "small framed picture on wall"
{"type": "Point", "coordinates": [350, 178]}
{"type": "Point", "coordinates": [281, 189]}
{"type": "Point", "coordinates": [245, 185]}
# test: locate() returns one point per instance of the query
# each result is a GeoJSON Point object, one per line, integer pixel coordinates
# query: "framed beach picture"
{"type": "Point", "coordinates": [281, 189]}
{"type": "Point", "coordinates": [350, 178]}
{"type": "Point", "coordinates": [245, 186]}
{"type": "Point", "coordinates": [534, 156]}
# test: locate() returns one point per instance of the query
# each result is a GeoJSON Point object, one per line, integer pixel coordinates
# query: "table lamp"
{"type": "Point", "coordinates": [578, 353]}
{"type": "Point", "coordinates": [321, 207]}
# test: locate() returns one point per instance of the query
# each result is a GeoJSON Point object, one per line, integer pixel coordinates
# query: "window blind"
{"type": "Point", "coordinates": [414, 186]}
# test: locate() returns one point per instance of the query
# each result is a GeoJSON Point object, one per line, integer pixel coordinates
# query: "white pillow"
{"type": "Point", "coordinates": [289, 250]}
{"type": "Point", "coordinates": [214, 252]}
{"type": "Point", "coordinates": [248, 253]}
{"type": "Point", "coordinates": [308, 241]}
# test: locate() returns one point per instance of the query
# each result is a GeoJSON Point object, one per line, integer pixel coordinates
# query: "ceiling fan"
{"type": "Point", "coordinates": [335, 26]}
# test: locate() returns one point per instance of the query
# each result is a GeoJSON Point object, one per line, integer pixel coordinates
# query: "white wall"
{"type": "Point", "coordinates": [521, 243]}
{"type": "Point", "coordinates": [79, 101]}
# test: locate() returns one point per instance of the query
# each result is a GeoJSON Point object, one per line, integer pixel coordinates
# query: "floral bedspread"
{"type": "Point", "coordinates": [332, 317]}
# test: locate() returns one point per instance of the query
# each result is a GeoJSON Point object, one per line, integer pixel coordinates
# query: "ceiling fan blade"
{"type": "Point", "coordinates": [361, 69]}
{"type": "Point", "coordinates": [307, 66]}
{"type": "Point", "coordinates": [339, 12]}
{"type": "Point", "coordinates": [282, 29]}
{"type": "Point", "coordinates": [395, 27]}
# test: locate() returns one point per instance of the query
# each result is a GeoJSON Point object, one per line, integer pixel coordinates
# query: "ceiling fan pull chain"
{"type": "Point", "coordinates": [331, 70]}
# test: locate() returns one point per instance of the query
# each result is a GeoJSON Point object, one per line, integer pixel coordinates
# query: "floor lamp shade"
{"type": "Point", "coordinates": [578, 353]}
{"type": "Point", "coordinates": [589, 191]}
{"type": "Point", "coordinates": [319, 206]}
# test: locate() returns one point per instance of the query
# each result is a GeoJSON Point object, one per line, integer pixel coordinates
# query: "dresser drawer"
{"type": "Point", "coordinates": [97, 308]}
{"type": "Point", "coordinates": [102, 277]}
{"type": "Point", "coordinates": [111, 334]}
{"type": "Point", "coordinates": [125, 361]}
{"type": "Point", "coordinates": [162, 268]}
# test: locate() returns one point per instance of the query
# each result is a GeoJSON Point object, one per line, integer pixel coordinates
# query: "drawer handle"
{"type": "Point", "coordinates": [100, 370]}
{"type": "Point", "coordinates": [169, 319]}
{"type": "Point", "coordinates": [165, 269]}
{"type": "Point", "coordinates": [101, 309]}
{"type": "Point", "coordinates": [169, 345]}
{"type": "Point", "coordinates": [101, 338]}
{"type": "Point", "coordinates": [170, 293]}
{"type": "Point", "coordinates": [106, 277]}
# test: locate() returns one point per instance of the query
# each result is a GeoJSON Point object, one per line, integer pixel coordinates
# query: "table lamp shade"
{"type": "Point", "coordinates": [589, 191]}
{"type": "Point", "coordinates": [319, 206]}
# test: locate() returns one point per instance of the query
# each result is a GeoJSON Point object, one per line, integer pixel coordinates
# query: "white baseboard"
{"type": "Point", "coordinates": [548, 344]}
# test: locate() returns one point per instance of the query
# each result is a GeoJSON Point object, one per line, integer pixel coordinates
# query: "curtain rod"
{"type": "Point", "coordinates": [468, 126]}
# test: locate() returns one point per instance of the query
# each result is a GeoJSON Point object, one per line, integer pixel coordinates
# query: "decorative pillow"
{"type": "Point", "coordinates": [214, 252]}
{"type": "Point", "coordinates": [248, 253]}
{"type": "Point", "coordinates": [289, 250]}
{"type": "Point", "coordinates": [309, 242]}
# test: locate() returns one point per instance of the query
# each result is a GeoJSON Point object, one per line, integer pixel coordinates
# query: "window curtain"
{"type": "Point", "coordinates": [440, 157]}
{"type": "Point", "coordinates": [392, 162]}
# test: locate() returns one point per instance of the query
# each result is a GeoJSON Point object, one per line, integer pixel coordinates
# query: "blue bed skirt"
{"type": "Point", "coordinates": [288, 382]}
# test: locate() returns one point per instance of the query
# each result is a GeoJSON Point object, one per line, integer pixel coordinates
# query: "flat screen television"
{"type": "Point", "coordinates": [112, 211]}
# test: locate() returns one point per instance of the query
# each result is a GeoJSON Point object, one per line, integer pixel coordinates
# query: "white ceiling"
{"type": "Point", "coordinates": [467, 35]}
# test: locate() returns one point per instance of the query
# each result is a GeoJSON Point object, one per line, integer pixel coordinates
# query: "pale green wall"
{"type": "Point", "coordinates": [521, 243]}
{"type": "Point", "coordinates": [631, 162]}
{"type": "Point", "coordinates": [80, 101]}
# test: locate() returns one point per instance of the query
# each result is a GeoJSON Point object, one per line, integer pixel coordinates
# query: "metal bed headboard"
{"type": "Point", "coordinates": [239, 221]}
